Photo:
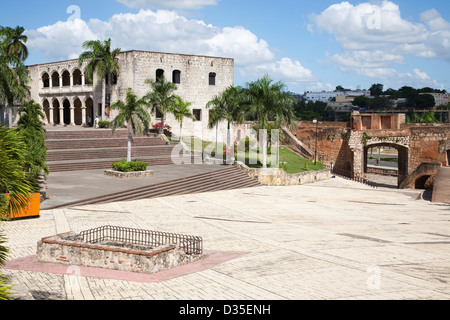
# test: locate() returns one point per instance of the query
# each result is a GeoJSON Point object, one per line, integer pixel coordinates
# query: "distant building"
{"type": "Point", "coordinates": [441, 99]}
{"type": "Point", "coordinates": [331, 96]}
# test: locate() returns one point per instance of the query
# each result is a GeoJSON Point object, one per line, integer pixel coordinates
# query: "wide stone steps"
{"type": "Point", "coordinates": [229, 178]}
{"type": "Point", "coordinates": [104, 153]}
{"type": "Point", "coordinates": [77, 150]}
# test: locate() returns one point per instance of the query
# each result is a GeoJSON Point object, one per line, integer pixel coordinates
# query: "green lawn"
{"type": "Point", "coordinates": [289, 161]}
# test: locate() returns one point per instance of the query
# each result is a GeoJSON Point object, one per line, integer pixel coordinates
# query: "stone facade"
{"type": "Point", "coordinates": [67, 98]}
{"type": "Point", "coordinates": [345, 145]}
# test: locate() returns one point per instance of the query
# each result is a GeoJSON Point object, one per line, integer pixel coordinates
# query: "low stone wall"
{"type": "Point", "coordinates": [128, 175]}
{"type": "Point", "coordinates": [279, 177]}
{"type": "Point", "coordinates": [67, 249]}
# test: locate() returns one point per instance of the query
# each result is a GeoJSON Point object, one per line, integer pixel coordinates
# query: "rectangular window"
{"type": "Point", "coordinates": [212, 79]}
{"type": "Point", "coordinates": [197, 114]}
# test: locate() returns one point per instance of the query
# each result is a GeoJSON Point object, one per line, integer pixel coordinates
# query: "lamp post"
{"type": "Point", "coordinates": [315, 151]}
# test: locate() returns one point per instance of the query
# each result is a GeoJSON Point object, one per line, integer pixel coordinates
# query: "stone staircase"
{"type": "Point", "coordinates": [95, 149]}
{"type": "Point", "coordinates": [228, 178]}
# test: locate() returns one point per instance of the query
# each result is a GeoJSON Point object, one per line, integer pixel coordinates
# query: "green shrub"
{"type": "Point", "coordinates": [104, 124]}
{"type": "Point", "coordinates": [132, 166]}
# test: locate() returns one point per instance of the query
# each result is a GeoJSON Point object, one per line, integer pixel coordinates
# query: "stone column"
{"type": "Point", "coordinates": [51, 120]}
{"type": "Point", "coordinates": [61, 113]}
{"type": "Point", "coordinates": [72, 115]}
{"type": "Point", "coordinates": [83, 79]}
{"type": "Point", "coordinates": [71, 80]}
{"type": "Point", "coordinates": [60, 81]}
{"type": "Point", "coordinates": [83, 113]}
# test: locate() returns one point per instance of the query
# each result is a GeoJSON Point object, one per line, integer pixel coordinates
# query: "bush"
{"type": "Point", "coordinates": [104, 124]}
{"type": "Point", "coordinates": [132, 166]}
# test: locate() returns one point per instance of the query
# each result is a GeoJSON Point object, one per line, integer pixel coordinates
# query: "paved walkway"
{"type": "Point", "coordinates": [334, 239]}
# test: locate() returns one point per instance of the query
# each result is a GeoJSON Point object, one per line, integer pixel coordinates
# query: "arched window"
{"type": "Point", "coordinates": [212, 79]}
{"type": "Point", "coordinates": [45, 80]}
{"type": "Point", "coordinates": [77, 77]}
{"type": "Point", "coordinates": [159, 74]}
{"type": "Point", "coordinates": [176, 76]}
{"type": "Point", "coordinates": [66, 79]}
{"type": "Point", "coordinates": [55, 79]}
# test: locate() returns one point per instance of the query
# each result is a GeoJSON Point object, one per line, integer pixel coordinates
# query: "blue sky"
{"type": "Point", "coordinates": [309, 45]}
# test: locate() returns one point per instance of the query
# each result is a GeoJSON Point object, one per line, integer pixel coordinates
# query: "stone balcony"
{"type": "Point", "coordinates": [76, 89]}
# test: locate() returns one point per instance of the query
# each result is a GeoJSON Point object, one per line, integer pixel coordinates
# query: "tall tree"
{"type": "Point", "coordinates": [13, 73]}
{"type": "Point", "coordinates": [102, 60]}
{"type": "Point", "coordinates": [134, 114]}
{"type": "Point", "coordinates": [228, 106]}
{"type": "Point", "coordinates": [269, 102]}
{"type": "Point", "coordinates": [181, 109]}
{"type": "Point", "coordinates": [161, 97]}
{"type": "Point", "coordinates": [31, 127]}
{"type": "Point", "coordinates": [16, 44]}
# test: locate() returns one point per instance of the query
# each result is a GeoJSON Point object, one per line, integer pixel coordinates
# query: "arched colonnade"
{"type": "Point", "coordinates": [75, 111]}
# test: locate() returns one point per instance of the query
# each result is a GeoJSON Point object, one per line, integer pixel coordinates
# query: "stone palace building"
{"type": "Point", "coordinates": [66, 97]}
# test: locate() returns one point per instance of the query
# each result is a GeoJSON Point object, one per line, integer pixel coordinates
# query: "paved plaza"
{"type": "Point", "coordinates": [334, 239]}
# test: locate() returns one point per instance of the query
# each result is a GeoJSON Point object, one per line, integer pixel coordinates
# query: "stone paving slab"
{"type": "Point", "coordinates": [334, 239]}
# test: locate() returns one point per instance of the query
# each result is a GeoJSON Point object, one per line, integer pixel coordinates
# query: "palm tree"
{"type": "Point", "coordinates": [101, 60]}
{"type": "Point", "coordinates": [269, 102]}
{"type": "Point", "coordinates": [13, 178]}
{"type": "Point", "coordinates": [134, 114]}
{"type": "Point", "coordinates": [30, 127]}
{"type": "Point", "coordinates": [13, 73]}
{"type": "Point", "coordinates": [15, 46]}
{"type": "Point", "coordinates": [162, 97]}
{"type": "Point", "coordinates": [228, 106]}
{"type": "Point", "coordinates": [181, 110]}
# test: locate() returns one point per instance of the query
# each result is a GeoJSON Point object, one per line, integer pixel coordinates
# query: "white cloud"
{"type": "Point", "coordinates": [60, 41]}
{"type": "Point", "coordinates": [374, 38]}
{"type": "Point", "coordinates": [169, 4]}
{"type": "Point", "coordinates": [168, 31]}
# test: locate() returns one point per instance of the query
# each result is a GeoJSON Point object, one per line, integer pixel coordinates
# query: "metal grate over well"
{"type": "Point", "coordinates": [189, 244]}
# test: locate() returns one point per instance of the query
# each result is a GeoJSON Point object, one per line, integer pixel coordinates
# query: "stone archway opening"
{"type": "Point", "coordinates": [66, 112]}
{"type": "Point", "coordinates": [56, 117]}
{"type": "Point", "coordinates": [421, 182]}
{"type": "Point", "coordinates": [78, 112]}
{"type": "Point", "coordinates": [45, 80]}
{"type": "Point", "coordinates": [77, 78]}
{"type": "Point", "coordinates": [46, 109]}
{"type": "Point", "coordinates": [386, 163]}
{"type": "Point", "coordinates": [89, 112]}
{"type": "Point", "coordinates": [55, 79]}
{"type": "Point", "coordinates": [66, 79]}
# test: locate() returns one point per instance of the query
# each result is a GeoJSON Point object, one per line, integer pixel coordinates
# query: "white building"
{"type": "Point", "coordinates": [68, 99]}
{"type": "Point", "coordinates": [328, 96]}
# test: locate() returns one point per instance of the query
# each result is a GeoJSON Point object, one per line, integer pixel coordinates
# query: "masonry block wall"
{"type": "Point", "coordinates": [62, 89]}
{"type": "Point", "coordinates": [347, 149]}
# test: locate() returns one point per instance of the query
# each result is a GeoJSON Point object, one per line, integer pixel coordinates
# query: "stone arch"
{"type": "Point", "coordinates": [77, 77]}
{"type": "Point", "coordinates": [403, 157]}
{"type": "Point", "coordinates": [65, 78]}
{"type": "Point", "coordinates": [66, 105]}
{"type": "Point", "coordinates": [55, 79]}
{"type": "Point", "coordinates": [46, 109]}
{"type": "Point", "coordinates": [45, 80]}
{"type": "Point", "coordinates": [159, 74]}
{"type": "Point", "coordinates": [78, 118]}
{"type": "Point", "coordinates": [89, 103]}
{"type": "Point", "coordinates": [56, 106]}
{"type": "Point", "coordinates": [421, 182]}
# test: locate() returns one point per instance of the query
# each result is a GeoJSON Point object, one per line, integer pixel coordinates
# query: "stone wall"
{"type": "Point", "coordinates": [279, 177]}
{"type": "Point", "coordinates": [66, 249]}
